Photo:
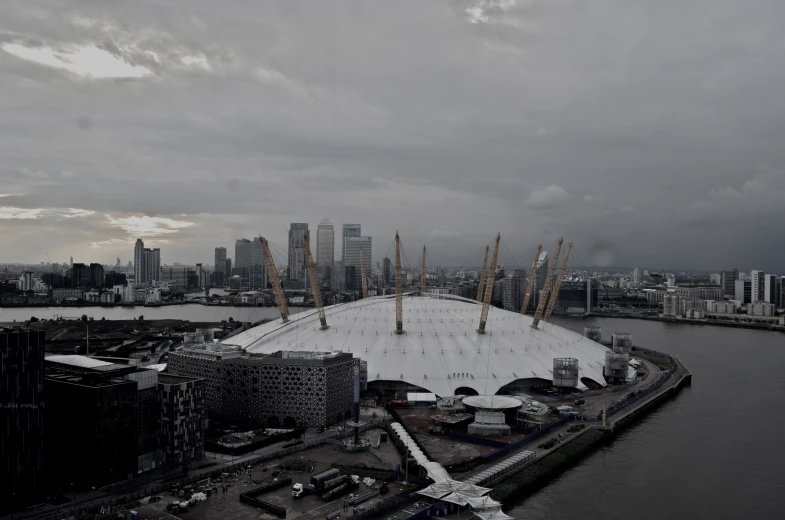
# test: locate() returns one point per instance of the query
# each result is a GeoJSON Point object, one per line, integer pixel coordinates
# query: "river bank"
{"type": "Point", "coordinates": [572, 447]}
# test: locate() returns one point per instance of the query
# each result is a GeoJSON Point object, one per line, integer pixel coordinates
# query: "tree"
{"type": "Point", "coordinates": [84, 317]}
{"type": "Point", "coordinates": [103, 318]}
{"type": "Point", "coordinates": [141, 317]}
{"type": "Point", "coordinates": [231, 320]}
{"type": "Point", "coordinates": [33, 319]}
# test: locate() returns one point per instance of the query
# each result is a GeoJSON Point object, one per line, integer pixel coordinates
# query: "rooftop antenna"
{"type": "Point", "coordinates": [547, 289]}
{"type": "Point", "coordinates": [317, 295]}
{"type": "Point", "coordinates": [398, 287]}
{"type": "Point", "coordinates": [557, 285]}
{"type": "Point", "coordinates": [272, 273]}
{"type": "Point", "coordinates": [486, 302]}
{"type": "Point", "coordinates": [532, 281]}
{"type": "Point", "coordinates": [422, 276]}
{"type": "Point", "coordinates": [482, 275]}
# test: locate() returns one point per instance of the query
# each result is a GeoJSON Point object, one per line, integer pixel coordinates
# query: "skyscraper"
{"type": "Point", "coordinates": [728, 281]}
{"type": "Point", "coordinates": [258, 270]}
{"type": "Point", "coordinates": [21, 417]}
{"type": "Point", "coordinates": [138, 261]}
{"type": "Point", "coordinates": [242, 253]}
{"type": "Point", "coordinates": [771, 291]}
{"type": "Point", "coordinates": [296, 264]}
{"type": "Point", "coordinates": [352, 261]}
{"type": "Point", "coordinates": [220, 267]}
{"type": "Point", "coordinates": [636, 277]}
{"type": "Point", "coordinates": [325, 249]}
{"type": "Point", "coordinates": [758, 286]}
{"type": "Point", "coordinates": [97, 276]}
{"type": "Point", "coordinates": [152, 265]}
{"type": "Point", "coordinates": [349, 230]}
{"type": "Point", "coordinates": [386, 271]}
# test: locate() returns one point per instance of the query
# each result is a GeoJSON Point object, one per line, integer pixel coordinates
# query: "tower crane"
{"type": "Point", "coordinates": [398, 287]}
{"type": "Point", "coordinates": [547, 289]}
{"type": "Point", "coordinates": [362, 273]}
{"type": "Point", "coordinates": [486, 301]}
{"type": "Point", "coordinates": [272, 273]}
{"type": "Point", "coordinates": [317, 294]}
{"type": "Point", "coordinates": [482, 275]}
{"type": "Point", "coordinates": [532, 280]}
{"type": "Point", "coordinates": [422, 275]}
{"type": "Point", "coordinates": [557, 285]}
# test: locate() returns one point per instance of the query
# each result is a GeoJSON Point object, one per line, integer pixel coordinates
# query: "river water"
{"type": "Point", "coordinates": [188, 311]}
{"type": "Point", "coordinates": [716, 451]}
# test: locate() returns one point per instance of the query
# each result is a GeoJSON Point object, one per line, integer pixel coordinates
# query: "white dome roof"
{"type": "Point", "coordinates": [441, 350]}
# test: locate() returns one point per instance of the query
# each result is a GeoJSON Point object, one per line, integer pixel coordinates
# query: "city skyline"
{"type": "Point", "coordinates": [571, 138]}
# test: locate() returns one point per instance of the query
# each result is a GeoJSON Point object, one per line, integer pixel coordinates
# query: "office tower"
{"type": "Point", "coordinates": [636, 277]}
{"type": "Point", "coordinates": [70, 265]}
{"type": "Point", "coordinates": [743, 291]}
{"type": "Point", "coordinates": [758, 285]}
{"type": "Point", "coordinates": [728, 281]}
{"type": "Point", "coordinates": [352, 261]}
{"type": "Point", "coordinates": [325, 249]}
{"type": "Point", "coordinates": [386, 271]}
{"type": "Point", "coordinates": [257, 276]}
{"type": "Point", "coordinates": [97, 276]}
{"type": "Point", "coordinates": [228, 270]}
{"type": "Point", "coordinates": [771, 289]}
{"type": "Point", "coordinates": [21, 418]}
{"type": "Point", "coordinates": [80, 276]}
{"type": "Point", "coordinates": [296, 264]}
{"type": "Point", "coordinates": [242, 253]}
{"type": "Point", "coordinates": [220, 267]}
{"type": "Point", "coordinates": [138, 261]}
{"type": "Point", "coordinates": [349, 230]}
{"type": "Point", "coordinates": [117, 264]}
{"type": "Point", "coordinates": [152, 265]}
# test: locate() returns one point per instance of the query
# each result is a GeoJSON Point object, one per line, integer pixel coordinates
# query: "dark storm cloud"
{"type": "Point", "coordinates": [621, 125]}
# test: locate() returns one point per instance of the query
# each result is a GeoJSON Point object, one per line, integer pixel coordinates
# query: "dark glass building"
{"type": "Point", "coordinates": [93, 443]}
{"type": "Point", "coordinates": [21, 418]}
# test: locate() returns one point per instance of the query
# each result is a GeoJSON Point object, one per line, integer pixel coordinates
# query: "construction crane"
{"type": "Point", "coordinates": [317, 294]}
{"type": "Point", "coordinates": [546, 290]}
{"type": "Point", "coordinates": [362, 273]}
{"type": "Point", "coordinates": [532, 281]}
{"type": "Point", "coordinates": [272, 273]}
{"type": "Point", "coordinates": [422, 275]}
{"type": "Point", "coordinates": [482, 275]}
{"type": "Point", "coordinates": [398, 287]}
{"type": "Point", "coordinates": [486, 301]}
{"type": "Point", "coordinates": [557, 285]}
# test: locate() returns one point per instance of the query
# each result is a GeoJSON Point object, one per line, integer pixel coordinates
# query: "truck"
{"type": "Point", "coordinates": [297, 490]}
{"type": "Point", "coordinates": [318, 481]}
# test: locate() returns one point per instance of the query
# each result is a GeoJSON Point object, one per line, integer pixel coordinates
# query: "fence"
{"type": "Point", "coordinates": [529, 438]}
{"type": "Point", "coordinates": [477, 440]}
{"type": "Point", "coordinates": [385, 506]}
{"type": "Point", "coordinates": [643, 393]}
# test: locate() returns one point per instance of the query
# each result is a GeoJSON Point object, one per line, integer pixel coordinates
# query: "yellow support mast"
{"type": "Point", "coordinates": [362, 273]}
{"type": "Point", "coordinates": [398, 287]}
{"type": "Point", "coordinates": [272, 273]}
{"type": "Point", "coordinates": [557, 285]}
{"type": "Point", "coordinates": [486, 301]}
{"type": "Point", "coordinates": [547, 289]}
{"type": "Point", "coordinates": [317, 294]}
{"type": "Point", "coordinates": [532, 281]}
{"type": "Point", "coordinates": [422, 275]}
{"type": "Point", "coordinates": [482, 275]}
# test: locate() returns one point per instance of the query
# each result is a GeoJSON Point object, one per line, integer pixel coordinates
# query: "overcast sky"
{"type": "Point", "coordinates": [649, 132]}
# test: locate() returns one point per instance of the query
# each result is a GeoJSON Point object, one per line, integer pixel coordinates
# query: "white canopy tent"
{"type": "Point", "coordinates": [492, 515]}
